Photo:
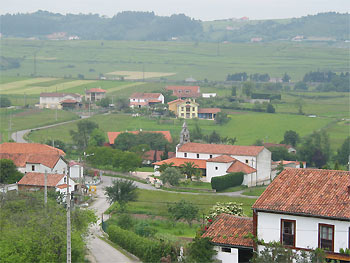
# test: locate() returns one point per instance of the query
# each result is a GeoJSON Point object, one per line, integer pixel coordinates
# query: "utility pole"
{"type": "Point", "coordinates": [79, 185]}
{"type": "Point", "coordinates": [69, 245]}
{"type": "Point", "coordinates": [45, 191]}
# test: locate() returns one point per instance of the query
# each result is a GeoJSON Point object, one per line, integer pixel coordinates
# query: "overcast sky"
{"type": "Point", "coordinates": [199, 9]}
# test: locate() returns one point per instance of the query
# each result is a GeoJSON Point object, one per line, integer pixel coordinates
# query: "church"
{"type": "Point", "coordinates": [220, 159]}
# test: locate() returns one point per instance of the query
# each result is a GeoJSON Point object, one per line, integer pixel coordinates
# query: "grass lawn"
{"type": "Point", "coordinates": [30, 118]}
{"type": "Point", "coordinates": [254, 191]}
{"type": "Point", "coordinates": [155, 202]}
{"type": "Point", "coordinates": [145, 169]}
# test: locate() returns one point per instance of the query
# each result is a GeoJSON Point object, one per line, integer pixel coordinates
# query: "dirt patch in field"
{"type": "Point", "coordinates": [26, 113]}
{"type": "Point", "coordinates": [129, 75]}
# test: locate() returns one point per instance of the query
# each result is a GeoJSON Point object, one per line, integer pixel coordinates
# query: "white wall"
{"type": "Point", "coordinates": [74, 171]}
{"type": "Point", "coordinates": [59, 168]}
{"type": "Point", "coordinates": [263, 167]}
{"type": "Point", "coordinates": [227, 257]}
{"type": "Point", "coordinates": [64, 181]}
{"type": "Point", "coordinates": [212, 172]}
{"type": "Point", "coordinates": [306, 230]}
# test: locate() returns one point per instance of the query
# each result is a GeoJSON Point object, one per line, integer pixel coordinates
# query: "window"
{"type": "Point", "coordinates": [210, 156]}
{"type": "Point", "coordinates": [246, 161]}
{"type": "Point", "coordinates": [182, 108]}
{"type": "Point", "coordinates": [185, 154]}
{"type": "Point", "coordinates": [65, 179]}
{"type": "Point", "coordinates": [193, 115]}
{"type": "Point", "coordinates": [288, 232]}
{"type": "Point", "coordinates": [197, 155]}
{"type": "Point", "coordinates": [33, 167]}
{"type": "Point", "coordinates": [326, 237]}
{"type": "Point", "coordinates": [226, 249]}
{"type": "Point", "coordinates": [216, 167]}
{"type": "Point", "coordinates": [187, 91]}
{"type": "Point", "coordinates": [193, 109]}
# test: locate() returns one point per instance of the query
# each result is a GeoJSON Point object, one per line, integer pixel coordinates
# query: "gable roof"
{"type": "Point", "coordinates": [231, 230]}
{"type": "Point", "coordinates": [221, 149]}
{"type": "Point", "coordinates": [209, 110]}
{"type": "Point", "coordinates": [96, 90]}
{"type": "Point", "coordinates": [140, 95]}
{"type": "Point", "coordinates": [222, 159]}
{"type": "Point", "coordinates": [238, 166]}
{"type": "Point", "coordinates": [59, 95]}
{"type": "Point", "coordinates": [184, 91]}
{"type": "Point", "coordinates": [15, 147]}
{"type": "Point", "coordinates": [313, 192]}
{"type": "Point", "coordinates": [113, 135]}
{"type": "Point", "coordinates": [179, 161]}
{"type": "Point", "coordinates": [38, 179]}
{"type": "Point", "coordinates": [149, 155]}
{"type": "Point", "coordinates": [21, 159]}
{"type": "Point", "coordinates": [175, 101]}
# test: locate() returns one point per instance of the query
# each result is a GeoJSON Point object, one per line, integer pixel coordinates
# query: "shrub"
{"type": "Point", "coordinates": [220, 183]}
{"type": "Point", "coordinates": [147, 250]}
{"type": "Point", "coordinates": [125, 221]}
{"type": "Point", "coordinates": [144, 229]}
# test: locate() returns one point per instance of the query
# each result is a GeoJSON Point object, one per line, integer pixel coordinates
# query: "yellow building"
{"type": "Point", "coordinates": [187, 109]}
{"type": "Point", "coordinates": [173, 105]}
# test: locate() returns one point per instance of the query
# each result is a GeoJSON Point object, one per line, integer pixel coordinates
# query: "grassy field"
{"type": "Point", "coordinates": [212, 61]}
{"type": "Point", "coordinates": [155, 202]}
{"type": "Point", "coordinates": [29, 118]}
{"type": "Point", "coordinates": [246, 127]}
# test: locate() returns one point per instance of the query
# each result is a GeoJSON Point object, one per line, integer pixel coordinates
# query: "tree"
{"type": "Point", "coordinates": [4, 102]}
{"type": "Point", "coordinates": [189, 169]}
{"type": "Point", "coordinates": [270, 108]}
{"type": "Point", "coordinates": [97, 138]}
{"type": "Point", "coordinates": [165, 154]}
{"type": "Point", "coordinates": [258, 142]}
{"type": "Point", "coordinates": [214, 137]}
{"type": "Point", "coordinates": [121, 191]}
{"type": "Point", "coordinates": [82, 136]}
{"type": "Point", "coordinates": [231, 208]}
{"type": "Point", "coordinates": [343, 152]}
{"type": "Point", "coordinates": [301, 86]}
{"type": "Point", "coordinates": [171, 175]}
{"type": "Point", "coordinates": [129, 161]}
{"type": "Point", "coordinates": [221, 118]}
{"type": "Point", "coordinates": [291, 137]}
{"type": "Point", "coordinates": [58, 144]}
{"type": "Point", "coordinates": [286, 78]}
{"type": "Point", "coordinates": [196, 133]}
{"type": "Point", "coordinates": [104, 102]}
{"type": "Point", "coordinates": [234, 91]}
{"type": "Point", "coordinates": [183, 210]}
{"type": "Point", "coordinates": [140, 149]}
{"type": "Point", "coordinates": [122, 104]}
{"type": "Point", "coordinates": [248, 88]}
{"type": "Point", "coordinates": [125, 141]}
{"type": "Point", "coordinates": [280, 153]}
{"type": "Point", "coordinates": [164, 166]}
{"type": "Point", "coordinates": [200, 250]}
{"type": "Point", "coordinates": [8, 172]}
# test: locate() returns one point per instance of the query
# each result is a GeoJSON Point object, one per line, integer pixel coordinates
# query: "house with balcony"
{"type": "Point", "coordinates": [139, 100]}
{"type": "Point", "coordinates": [185, 92]}
{"type": "Point", "coordinates": [95, 94]}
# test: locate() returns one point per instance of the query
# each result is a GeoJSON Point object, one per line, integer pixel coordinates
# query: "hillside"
{"type": "Point", "coordinates": [148, 26]}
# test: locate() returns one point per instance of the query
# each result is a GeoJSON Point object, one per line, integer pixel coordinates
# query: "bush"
{"type": "Point", "coordinates": [125, 221]}
{"type": "Point", "coordinates": [221, 183]}
{"type": "Point", "coordinates": [147, 250]}
{"type": "Point", "coordinates": [4, 102]}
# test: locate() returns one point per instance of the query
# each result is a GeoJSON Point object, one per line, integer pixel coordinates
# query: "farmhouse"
{"type": "Point", "coordinates": [306, 208]}
{"type": "Point", "coordinates": [229, 235]}
{"type": "Point", "coordinates": [183, 92]}
{"type": "Point", "coordinates": [187, 109]}
{"type": "Point", "coordinates": [139, 100]}
{"type": "Point", "coordinates": [113, 135]}
{"type": "Point", "coordinates": [219, 159]}
{"type": "Point", "coordinates": [95, 94]}
{"type": "Point", "coordinates": [58, 100]}
{"type": "Point", "coordinates": [34, 157]}
{"type": "Point", "coordinates": [208, 113]}
{"type": "Point", "coordinates": [36, 181]}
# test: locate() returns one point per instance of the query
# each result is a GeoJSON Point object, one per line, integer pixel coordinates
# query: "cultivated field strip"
{"type": "Point", "coordinates": [125, 86]}
{"type": "Point", "coordinates": [130, 75]}
{"type": "Point", "coordinates": [11, 87]}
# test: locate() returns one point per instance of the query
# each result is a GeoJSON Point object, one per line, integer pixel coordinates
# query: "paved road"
{"type": "Point", "coordinates": [102, 251]}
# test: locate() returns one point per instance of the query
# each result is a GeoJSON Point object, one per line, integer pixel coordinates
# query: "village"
{"type": "Point", "coordinates": [302, 208]}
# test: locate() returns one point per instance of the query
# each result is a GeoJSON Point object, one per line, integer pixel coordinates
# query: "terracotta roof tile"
{"type": "Point", "coordinates": [14, 147]}
{"type": "Point", "coordinates": [185, 91]}
{"type": "Point", "coordinates": [68, 101]}
{"type": "Point", "coordinates": [209, 110]}
{"type": "Point", "coordinates": [139, 95]}
{"type": "Point", "coordinates": [113, 135]}
{"type": "Point", "coordinates": [175, 101]}
{"type": "Point", "coordinates": [238, 166]}
{"type": "Point", "coordinates": [149, 155]}
{"type": "Point", "coordinates": [309, 192]}
{"type": "Point", "coordinates": [221, 149]}
{"type": "Point", "coordinates": [221, 159]}
{"type": "Point", "coordinates": [96, 90]}
{"type": "Point", "coordinates": [38, 179]}
{"type": "Point", "coordinates": [179, 161]}
{"type": "Point", "coordinates": [231, 230]}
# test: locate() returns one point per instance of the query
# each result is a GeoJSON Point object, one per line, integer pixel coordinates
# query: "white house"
{"type": "Point", "coordinates": [139, 100]}
{"type": "Point", "coordinates": [306, 209]}
{"type": "Point", "coordinates": [53, 100]}
{"type": "Point", "coordinates": [221, 159]}
{"type": "Point", "coordinates": [76, 170]}
{"type": "Point", "coordinates": [230, 237]}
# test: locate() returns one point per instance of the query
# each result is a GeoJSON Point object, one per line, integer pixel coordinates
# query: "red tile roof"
{"type": "Point", "coordinates": [222, 159]}
{"type": "Point", "coordinates": [221, 149]}
{"type": "Point", "coordinates": [176, 101]}
{"type": "Point", "coordinates": [14, 147]}
{"type": "Point", "coordinates": [62, 186]}
{"type": "Point", "coordinates": [96, 90]}
{"type": "Point", "coordinates": [238, 166]}
{"type": "Point", "coordinates": [209, 110]}
{"type": "Point", "coordinates": [142, 103]}
{"type": "Point", "coordinates": [308, 192]}
{"type": "Point", "coordinates": [202, 164]}
{"type": "Point", "coordinates": [38, 179]}
{"type": "Point", "coordinates": [184, 91]}
{"type": "Point", "coordinates": [231, 230]}
{"type": "Point", "coordinates": [113, 135]}
{"type": "Point", "coordinates": [150, 155]}
{"type": "Point", "coordinates": [139, 95]}
{"type": "Point", "coordinates": [68, 101]}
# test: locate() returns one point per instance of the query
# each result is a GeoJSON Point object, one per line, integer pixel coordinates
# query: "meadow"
{"type": "Point", "coordinates": [12, 120]}
{"type": "Point", "coordinates": [212, 61]}
{"type": "Point", "coordinates": [247, 127]}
